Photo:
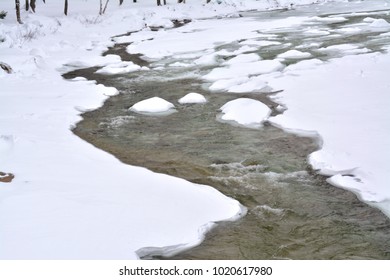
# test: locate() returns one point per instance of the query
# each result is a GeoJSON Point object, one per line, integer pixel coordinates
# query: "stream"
{"type": "Point", "coordinates": [293, 213]}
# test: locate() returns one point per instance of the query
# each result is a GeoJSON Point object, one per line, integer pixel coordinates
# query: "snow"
{"type": "Point", "coordinates": [69, 200]}
{"type": "Point", "coordinates": [244, 69]}
{"type": "Point", "coordinates": [152, 105]}
{"type": "Point", "coordinates": [192, 97]}
{"type": "Point", "coordinates": [294, 54]}
{"type": "Point", "coordinates": [107, 91]}
{"type": "Point", "coordinates": [261, 43]}
{"type": "Point", "coordinates": [328, 19]}
{"type": "Point", "coordinates": [304, 64]}
{"type": "Point", "coordinates": [317, 32]}
{"type": "Point", "coordinates": [380, 23]}
{"type": "Point", "coordinates": [254, 83]}
{"type": "Point", "coordinates": [344, 48]}
{"type": "Point", "coordinates": [243, 58]}
{"type": "Point", "coordinates": [119, 68]}
{"type": "Point", "coordinates": [245, 111]}
{"type": "Point", "coordinates": [352, 92]}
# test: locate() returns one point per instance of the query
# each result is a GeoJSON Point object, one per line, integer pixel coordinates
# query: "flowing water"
{"type": "Point", "coordinates": [292, 212]}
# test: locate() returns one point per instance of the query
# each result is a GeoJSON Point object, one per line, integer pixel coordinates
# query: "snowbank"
{"type": "Point", "coordinates": [346, 102]}
{"type": "Point", "coordinates": [69, 200]}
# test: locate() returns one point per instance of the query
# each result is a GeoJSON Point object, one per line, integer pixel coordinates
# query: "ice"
{"type": "Point", "coordinates": [241, 50]}
{"type": "Point", "coordinates": [119, 68]}
{"type": "Point", "coordinates": [255, 83]}
{"type": "Point", "coordinates": [244, 69]}
{"type": "Point", "coordinates": [243, 58]}
{"type": "Point", "coordinates": [261, 43]}
{"type": "Point", "coordinates": [328, 20]}
{"type": "Point", "coordinates": [340, 47]}
{"type": "Point", "coordinates": [152, 105]}
{"type": "Point", "coordinates": [208, 59]}
{"type": "Point", "coordinates": [349, 30]}
{"type": "Point", "coordinates": [180, 64]}
{"type": "Point", "coordinates": [245, 111]}
{"type": "Point", "coordinates": [317, 32]}
{"type": "Point", "coordinates": [192, 97]}
{"type": "Point", "coordinates": [304, 64]}
{"type": "Point", "coordinates": [225, 84]}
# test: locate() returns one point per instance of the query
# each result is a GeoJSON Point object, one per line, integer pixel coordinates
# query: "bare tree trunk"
{"type": "Point", "coordinates": [105, 6]}
{"type": "Point", "coordinates": [158, 2]}
{"type": "Point", "coordinates": [17, 7]}
{"type": "Point", "coordinates": [32, 5]}
{"type": "Point", "coordinates": [66, 7]}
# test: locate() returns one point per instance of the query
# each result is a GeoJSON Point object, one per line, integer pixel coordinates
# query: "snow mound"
{"type": "Point", "coordinates": [294, 54]}
{"type": "Point", "coordinates": [107, 91]}
{"type": "Point", "coordinates": [192, 97]}
{"type": "Point", "coordinates": [380, 23]}
{"type": "Point", "coordinates": [119, 68]}
{"type": "Point", "coordinates": [152, 105]}
{"type": "Point", "coordinates": [245, 111]}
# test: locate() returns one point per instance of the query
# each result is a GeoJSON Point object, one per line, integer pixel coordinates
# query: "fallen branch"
{"type": "Point", "coordinates": [6, 67]}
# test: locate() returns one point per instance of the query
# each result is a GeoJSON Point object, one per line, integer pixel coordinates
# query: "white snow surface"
{"type": "Point", "coordinates": [152, 105]}
{"type": "Point", "coordinates": [119, 68]}
{"type": "Point", "coordinates": [192, 98]}
{"type": "Point", "coordinates": [69, 200]}
{"type": "Point", "coordinates": [345, 102]}
{"type": "Point", "coordinates": [294, 54]}
{"type": "Point", "coordinates": [245, 111]}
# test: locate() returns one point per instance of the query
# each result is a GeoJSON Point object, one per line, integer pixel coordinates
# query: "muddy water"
{"type": "Point", "coordinates": [292, 212]}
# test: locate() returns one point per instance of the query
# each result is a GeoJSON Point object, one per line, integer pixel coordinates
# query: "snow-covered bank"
{"type": "Point", "coordinates": [346, 102]}
{"type": "Point", "coordinates": [69, 200]}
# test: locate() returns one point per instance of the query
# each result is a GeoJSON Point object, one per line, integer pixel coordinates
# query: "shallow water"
{"type": "Point", "coordinates": [292, 212]}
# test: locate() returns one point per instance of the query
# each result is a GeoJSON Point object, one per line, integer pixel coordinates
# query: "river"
{"type": "Point", "coordinates": [293, 213]}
